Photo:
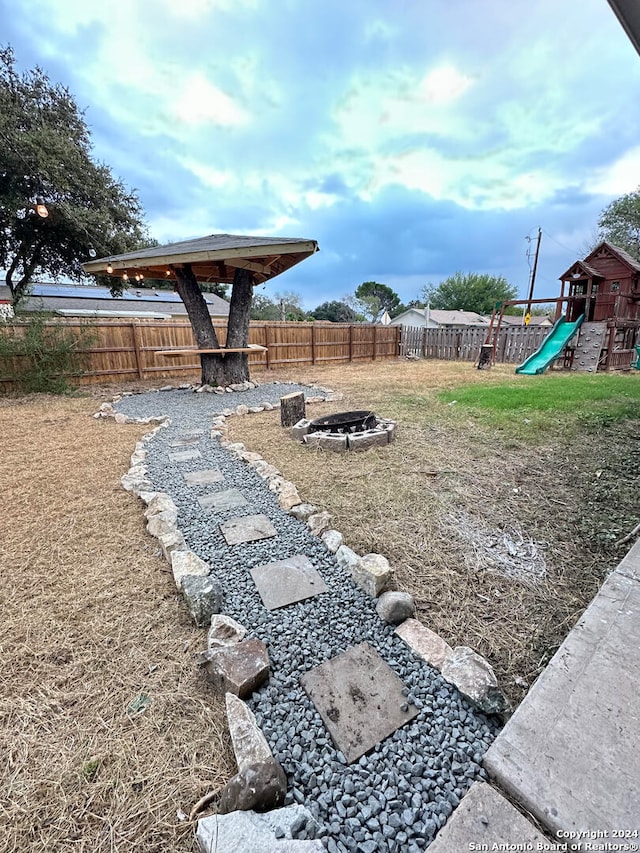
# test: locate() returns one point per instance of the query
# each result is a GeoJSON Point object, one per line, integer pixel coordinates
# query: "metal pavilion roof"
{"type": "Point", "coordinates": [212, 258]}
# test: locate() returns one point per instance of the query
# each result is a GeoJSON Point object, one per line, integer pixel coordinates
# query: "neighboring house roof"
{"type": "Point", "coordinates": [457, 318]}
{"type": "Point", "coordinates": [511, 320]}
{"type": "Point", "coordinates": [438, 317]}
{"type": "Point", "coordinates": [84, 300]}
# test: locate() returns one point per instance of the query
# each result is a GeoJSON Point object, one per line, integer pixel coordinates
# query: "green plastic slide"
{"type": "Point", "coordinates": [551, 347]}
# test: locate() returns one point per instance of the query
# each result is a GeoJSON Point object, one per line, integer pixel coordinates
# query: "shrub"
{"type": "Point", "coordinates": [37, 355]}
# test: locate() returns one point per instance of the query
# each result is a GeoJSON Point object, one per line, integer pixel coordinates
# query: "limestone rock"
{"type": "Point", "coordinates": [203, 596]}
{"type": "Point", "coordinates": [255, 409]}
{"type": "Point", "coordinates": [288, 497]}
{"type": "Point", "coordinates": [474, 677]}
{"type": "Point", "coordinates": [371, 573]}
{"type": "Point", "coordinates": [242, 410]}
{"type": "Point", "coordinates": [224, 631]}
{"type": "Point", "coordinates": [303, 511]}
{"type": "Point", "coordinates": [170, 542]}
{"type": "Point", "coordinates": [250, 746]}
{"type": "Point", "coordinates": [160, 503]}
{"type": "Point", "coordinates": [268, 407]}
{"type": "Point", "coordinates": [162, 522]}
{"type": "Point", "coordinates": [264, 470]}
{"type": "Point", "coordinates": [276, 831]}
{"type": "Point", "coordinates": [333, 539]}
{"type": "Point", "coordinates": [250, 456]}
{"type": "Point", "coordinates": [187, 563]}
{"type": "Point", "coordinates": [395, 607]}
{"type": "Point", "coordinates": [346, 557]}
{"type": "Point", "coordinates": [424, 642]}
{"type": "Point", "coordinates": [319, 522]}
{"type": "Point", "coordinates": [240, 668]}
{"type": "Point", "coordinates": [236, 447]}
{"type": "Point", "coordinates": [259, 787]}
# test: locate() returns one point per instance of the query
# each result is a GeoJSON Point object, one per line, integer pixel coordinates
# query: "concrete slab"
{"type": "Point", "coordinates": [630, 566]}
{"type": "Point", "coordinates": [223, 501]}
{"type": "Point", "coordinates": [184, 455]}
{"type": "Point", "coordinates": [359, 698]}
{"type": "Point", "coordinates": [203, 478]}
{"type": "Point", "coordinates": [248, 528]}
{"type": "Point", "coordinates": [485, 820]}
{"type": "Point", "coordinates": [287, 581]}
{"type": "Point", "coordinates": [569, 753]}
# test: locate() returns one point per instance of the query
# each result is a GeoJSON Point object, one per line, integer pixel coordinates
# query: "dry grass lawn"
{"type": "Point", "coordinates": [90, 622]}
{"type": "Point", "coordinates": [406, 501]}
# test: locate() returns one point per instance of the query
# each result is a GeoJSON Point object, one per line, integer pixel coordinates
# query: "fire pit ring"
{"type": "Point", "coordinates": [344, 422]}
{"type": "Point", "coordinates": [358, 430]}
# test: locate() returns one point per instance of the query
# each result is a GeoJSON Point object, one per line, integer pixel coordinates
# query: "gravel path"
{"type": "Point", "coordinates": [396, 797]}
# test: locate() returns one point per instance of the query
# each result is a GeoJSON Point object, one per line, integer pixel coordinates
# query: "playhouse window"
{"type": "Point", "coordinates": [615, 285]}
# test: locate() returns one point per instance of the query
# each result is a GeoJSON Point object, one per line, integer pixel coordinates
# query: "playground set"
{"type": "Point", "coordinates": [597, 320]}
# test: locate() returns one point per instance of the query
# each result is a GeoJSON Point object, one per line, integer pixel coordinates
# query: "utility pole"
{"type": "Point", "coordinates": [533, 278]}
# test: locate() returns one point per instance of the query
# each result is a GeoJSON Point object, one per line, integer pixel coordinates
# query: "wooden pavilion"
{"type": "Point", "coordinates": [240, 261]}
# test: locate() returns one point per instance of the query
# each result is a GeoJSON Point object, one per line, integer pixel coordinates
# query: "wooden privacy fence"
{"type": "Point", "coordinates": [515, 343]}
{"type": "Point", "coordinates": [123, 349]}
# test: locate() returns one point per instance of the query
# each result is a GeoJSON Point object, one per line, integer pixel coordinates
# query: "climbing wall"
{"type": "Point", "coordinates": [589, 347]}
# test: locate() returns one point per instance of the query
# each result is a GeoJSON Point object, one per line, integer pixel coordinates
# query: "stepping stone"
{"type": "Point", "coordinates": [359, 698]}
{"type": "Point", "coordinates": [203, 478]}
{"type": "Point", "coordinates": [184, 455]}
{"type": "Point", "coordinates": [185, 441]}
{"type": "Point", "coordinates": [287, 581]}
{"type": "Point", "coordinates": [223, 501]}
{"type": "Point", "coordinates": [248, 528]}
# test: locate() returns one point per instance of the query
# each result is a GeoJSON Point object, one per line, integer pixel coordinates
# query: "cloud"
{"type": "Point", "coordinates": [200, 102]}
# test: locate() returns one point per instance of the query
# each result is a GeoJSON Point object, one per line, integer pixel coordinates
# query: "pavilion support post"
{"type": "Point", "coordinates": [237, 363]}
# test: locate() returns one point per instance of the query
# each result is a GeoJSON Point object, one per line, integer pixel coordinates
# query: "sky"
{"type": "Point", "coordinates": [410, 138]}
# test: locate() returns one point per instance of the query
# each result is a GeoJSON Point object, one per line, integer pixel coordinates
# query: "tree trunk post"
{"type": "Point", "coordinates": [292, 408]}
{"type": "Point", "coordinates": [236, 368]}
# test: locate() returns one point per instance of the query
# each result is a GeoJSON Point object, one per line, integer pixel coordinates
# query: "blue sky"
{"type": "Point", "coordinates": [410, 138]}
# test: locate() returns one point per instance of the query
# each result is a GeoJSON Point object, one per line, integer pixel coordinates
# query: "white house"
{"type": "Point", "coordinates": [433, 318]}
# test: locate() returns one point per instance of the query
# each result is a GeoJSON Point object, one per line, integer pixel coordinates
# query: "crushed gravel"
{"type": "Point", "coordinates": [400, 794]}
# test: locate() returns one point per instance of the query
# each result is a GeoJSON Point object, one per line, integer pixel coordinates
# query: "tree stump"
{"type": "Point", "coordinates": [292, 408]}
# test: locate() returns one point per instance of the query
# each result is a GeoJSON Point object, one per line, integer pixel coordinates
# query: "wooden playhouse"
{"type": "Point", "coordinates": [597, 317]}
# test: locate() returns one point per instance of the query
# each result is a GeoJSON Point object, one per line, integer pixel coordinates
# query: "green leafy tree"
{"type": "Point", "coordinates": [335, 311]}
{"type": "Point", "coordinates": [619, 223]}
{"type": "Point", "coordinates": [263, 308]}
{"type": "Point", "coordinates": [477, 292]}
{"type": "Point", "coordinates": [45, 154]}
{"type": "Point", "coordinates": [284, 306]}
{"type": "Point", "coordinates": [375, 298]}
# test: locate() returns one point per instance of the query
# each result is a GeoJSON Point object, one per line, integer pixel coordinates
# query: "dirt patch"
{"type": "Point", "coordinates": [542, 498]}
{"type": "Point", "coordinates": [107, 733]}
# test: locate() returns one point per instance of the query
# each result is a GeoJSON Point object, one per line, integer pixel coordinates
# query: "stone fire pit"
{"type": "Point", "coordinates": [358, 430]}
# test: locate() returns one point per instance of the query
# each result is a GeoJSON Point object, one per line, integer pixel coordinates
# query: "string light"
{"type": "Point", "coordinates": [125, 277]}
{"type": "Point", "coordinates": [41, 208]}
{"type": "Point", "coordinates": [168, 272]}
{"type": "Point", "coordinates": [109, 269]}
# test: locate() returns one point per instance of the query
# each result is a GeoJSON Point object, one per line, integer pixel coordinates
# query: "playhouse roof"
{"type": "Point", "coordinates": [587, 265]}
